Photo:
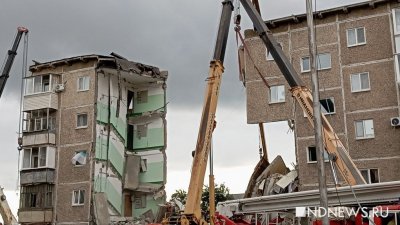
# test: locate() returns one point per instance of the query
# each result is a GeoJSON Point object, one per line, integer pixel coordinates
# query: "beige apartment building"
{"type": "Point", "coordinates": [358, 70]}
{"type": "Point", "coordinates": [94, 141]}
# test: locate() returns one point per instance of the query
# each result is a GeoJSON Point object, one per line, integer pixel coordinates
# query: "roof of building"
{"type": "Point", "coordinates": [323, 13]}
{"type": "Point", "coordinates": [113, 61]}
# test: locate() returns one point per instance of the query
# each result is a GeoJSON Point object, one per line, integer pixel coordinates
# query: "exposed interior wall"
{"type": "Point", "coordinates": [148, 129]}
{"type": "Point", "coordinates": [110, 139]}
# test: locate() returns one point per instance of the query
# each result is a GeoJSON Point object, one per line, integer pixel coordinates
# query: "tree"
{"type": "Point", "coordinates": [181, 195]}
{"type": "Point", "coordinates": [221, 194]}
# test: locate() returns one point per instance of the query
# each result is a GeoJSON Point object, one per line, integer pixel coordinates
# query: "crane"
{"type": "Point", "coordinates": [5, 211]}
{"type": "Point", "coordinates": [5, 73]}
{"type": "Point", "coordinates": [347, 168]}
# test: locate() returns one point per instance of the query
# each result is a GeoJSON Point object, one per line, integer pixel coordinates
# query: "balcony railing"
{"type": "Point", "coordinates": [39, 124]}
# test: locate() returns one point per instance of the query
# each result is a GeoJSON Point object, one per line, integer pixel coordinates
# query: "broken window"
{"type": "Point", "coordinates": [143, 165]}
{"type": "Point", "coordinates": [83, 83]}
{"type": "Point", "coordinates": [359, 82]}
{"type": "Point", "coordinates": [78, 197]}
{"type": "Point", "coordinates": [79, 158]}
{"type": "Point", "coordinates": [81, 120]}
{"type": "Point", "coordinates": [140, 201]}
{"type": "Point", "coordinates": [142, 96]}
{"type": "Point", "coordinates": [36, 196]}
{"type": "Point", "coordinates": [370, 175]}
{"type": "Point", "coordinates": [269, 56]}
{"type": "Point", "coordinates": [38, 84]}
{"type": "Point", "coordinates": [323, 62]}
{"type": "Point", "coordinates": [34, 157]}
{"type": "Point", "coordinates": [356, 36]}
{"type": "Point", "coordinates": [364, 129]}
{"type": "Point", "coordinates": [141, 131]}
{"type": "Point", "coordinates": [327, 106]}
{"type": "Point", "coordinates": [277, 94]}
{"type": "Point", "coordinates": [312, 155]}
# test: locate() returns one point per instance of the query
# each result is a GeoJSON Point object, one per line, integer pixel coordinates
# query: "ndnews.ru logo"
{"type": "Point", "coordinates": [341, 212]}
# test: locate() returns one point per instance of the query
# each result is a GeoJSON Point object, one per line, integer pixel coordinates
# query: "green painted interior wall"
{"type": "Point", "coordinates": [154, 173]}
{"type": "Point", "coordinates": [116, 159]}
{"type": "Point", "coordinates": [118, 123]}
{"type": "Point", "coordinates": [150, 204]}
{"type": "Point", "coordinates": [153, 102]}
{"type": "Point", "coordinates": [113, 196]}
{"type": "Point", "coordinates": [155, 138]}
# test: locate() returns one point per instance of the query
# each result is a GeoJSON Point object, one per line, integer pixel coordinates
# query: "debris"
{"type": "Point", "coordinates": [285, 181]}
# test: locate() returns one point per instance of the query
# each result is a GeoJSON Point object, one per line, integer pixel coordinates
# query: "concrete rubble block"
{"type": "Point", "coordinates": [102, 216]}
{"type": "Point", "coordinates": [277, 166]}
{"type": "Point", "coordinates": [132, 172]}
{"type": "Point", "coordinates": [285, 181]}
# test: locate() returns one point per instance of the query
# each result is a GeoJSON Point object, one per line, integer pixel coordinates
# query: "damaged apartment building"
{"type": "Point", "coordinates": [358, 69]}
{"type": "Point", "coordinates": [94, 140]}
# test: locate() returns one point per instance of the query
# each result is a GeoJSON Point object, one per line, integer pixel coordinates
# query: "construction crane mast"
{"type": "Point", "coordinates": [5, 73]}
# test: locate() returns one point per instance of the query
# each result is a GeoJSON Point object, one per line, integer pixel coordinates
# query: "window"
{"type": "Point", "coordinates": [364, 129]}
{"type": "Point", "coordinates": [83, 83]}
{"type": "Point", "coordinates": [79, 158]}
{"type": "Point", "coordinates": [38, 120]}
{"type": "Point", "coordinates": [141, 131]}
{"type": "Point", "coordinates": [36, 196]}
{"type": "Point", "coordinates": [81, 120]}
{"type": "Point", "coordinates": [39, 84]}
{"type": "Point", "coordinates": [277, 94]}
{"type": "Point", "coordinates": [140, 201]}
{"type": "Point", "coordinates": [359, 82]}
{"type": "Point", "coordinates": [370, 175]}
{"type": "Point", "coordinates": [396, 24]}
{"type": "Point", "coordinates": [34, 157]}
{"type": "Point", "coordinates": [323, 62]}
{"type": "Point", "coordinates": [269, 56]}
{"type": "Point", "coordinates": [78, 197]}
{"type": "Point", "coordinates": [312, 155]}
{"type": "Point", "coordinates": [396, 20]}
{"type": "Point", "coordinates": [143, 165]}
{"type": "Point", "coordinates": [327, 106]}
{"type": "Point", "coordinates": [142, 96]}
{"type": "Point", "coordinates": [355, 36]}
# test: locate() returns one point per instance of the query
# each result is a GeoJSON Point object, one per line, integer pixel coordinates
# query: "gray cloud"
{"type": "Point", "coordinates": [176, 35]}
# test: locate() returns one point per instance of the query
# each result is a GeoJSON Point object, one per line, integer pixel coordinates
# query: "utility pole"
{"type": "Point", "coordinates": [319, 143]}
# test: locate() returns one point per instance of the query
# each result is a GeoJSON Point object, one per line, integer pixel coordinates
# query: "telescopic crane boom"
{"type": "Point", "coordinates": [5, 211]}
{"type": "Point", "coordinates": [5, 73]}
{"type": "Point", "coordinates": [192, 213]}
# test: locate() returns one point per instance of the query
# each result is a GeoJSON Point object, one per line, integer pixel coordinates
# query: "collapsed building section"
{"type": "Point", "coordinates": [94, 141]}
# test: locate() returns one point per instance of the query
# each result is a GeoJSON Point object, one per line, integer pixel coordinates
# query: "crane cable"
{"type": "Point", "coordinates": [239, 36]}
{"type": "Point", "coordinates": [20, 124]}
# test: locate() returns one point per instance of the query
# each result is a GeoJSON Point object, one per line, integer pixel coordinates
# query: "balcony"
{"type": "Point", "coordinates": [35, 216]}
{"type": "Point", "coordinates": [38, 139]}
{"type": "Point", "coordinates": [41, 101]}
{"type": "Point", "coordinates": [35, 176]}
{"type": "Point", "coordinates": [39, 92]}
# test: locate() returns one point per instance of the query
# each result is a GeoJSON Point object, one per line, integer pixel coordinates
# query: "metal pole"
{"type": "Point", "coordinates": [317, 113]}
{"type": "Point", "coordinates": [211, 188]}
{"type": "Point", "coordinates": [264, 145]}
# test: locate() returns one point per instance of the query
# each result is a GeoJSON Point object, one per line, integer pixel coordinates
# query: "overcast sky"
{"type": "Point", "coordinates": [175, 35]}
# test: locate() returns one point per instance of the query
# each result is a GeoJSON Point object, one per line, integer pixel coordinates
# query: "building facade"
{"type": "Point", "coordinates": [358, 70]}
{"type": "Point", "coordinates": [94, 140]}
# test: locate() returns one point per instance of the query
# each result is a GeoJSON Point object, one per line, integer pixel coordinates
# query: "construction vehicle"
{"type": "Point", "coordinates": [5, 72]}
{"type": "Point", "coordinates": [5, 211]}
{"type": "Point", "coordinates": [192, 213]}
